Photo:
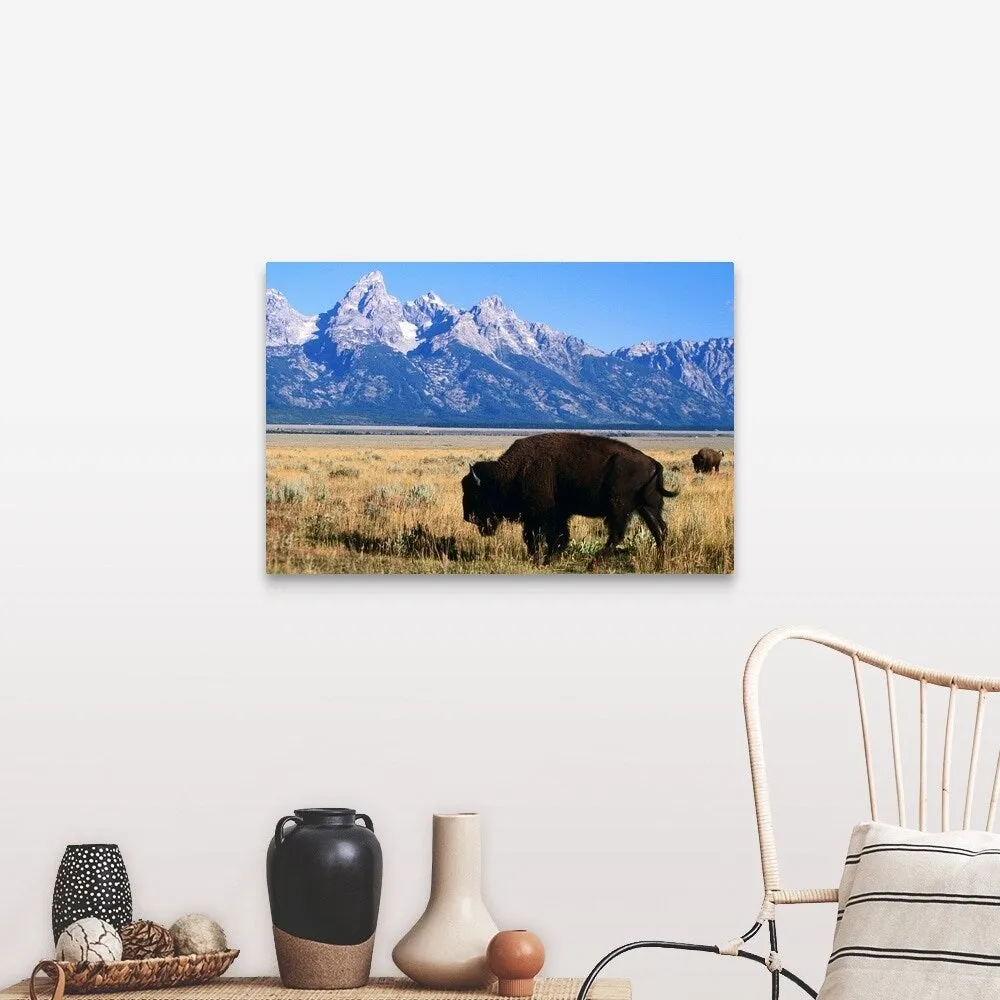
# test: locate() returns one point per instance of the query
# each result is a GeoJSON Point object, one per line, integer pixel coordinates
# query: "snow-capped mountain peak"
{"type": "Point", "coordinates": [431, 299]}
{"type": "Point", "coordinates": [285, 326]}
{"type": "Point", "coordinates": [366, 282]}
{"type": "Point", "coordinates": [493, 307]}
{"type": "Point", "coordinates": [643, 348]}
{"type": "Point", "coordinates": [707, 366]}
{"type": "Point", "coordinates": [369, 315]}
{"type": "Point", "coordinates": [366, 294]}
{"type": "Point", "coordinates": [429, 311]}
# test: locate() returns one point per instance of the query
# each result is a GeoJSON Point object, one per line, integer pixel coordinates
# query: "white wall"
{"type": "Point", "coordinates": [159, 691]}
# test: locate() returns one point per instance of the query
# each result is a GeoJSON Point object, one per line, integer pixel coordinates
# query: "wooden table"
{"type": "Point", "coordinates": [264, 988]}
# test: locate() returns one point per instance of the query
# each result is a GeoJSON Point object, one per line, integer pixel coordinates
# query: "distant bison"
{"type": "Point", "coordinates": [706, 460]}
{"type": "Point", "coordinates": [542, 480]}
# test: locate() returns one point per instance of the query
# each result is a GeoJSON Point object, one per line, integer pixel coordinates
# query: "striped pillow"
{"type": "Point", "coordinates": [918, 917]}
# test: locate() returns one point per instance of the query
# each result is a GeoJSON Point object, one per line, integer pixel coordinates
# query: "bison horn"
{"type": "Point", "coordinates": [475, 478]}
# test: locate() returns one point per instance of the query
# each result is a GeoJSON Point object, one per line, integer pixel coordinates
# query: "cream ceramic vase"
{"type": "Point", "coordinates": [446, 947]}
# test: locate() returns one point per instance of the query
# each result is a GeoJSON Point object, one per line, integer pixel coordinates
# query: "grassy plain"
{"type": "Point", "coordinates": [346, 503]}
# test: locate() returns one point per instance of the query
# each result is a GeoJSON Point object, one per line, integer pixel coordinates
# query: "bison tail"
{"type": "Point", "coordinates": [658, 478]}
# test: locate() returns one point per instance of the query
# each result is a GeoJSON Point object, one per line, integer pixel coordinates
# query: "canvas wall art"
{"type": "Point", "coordinates": [524, 418]}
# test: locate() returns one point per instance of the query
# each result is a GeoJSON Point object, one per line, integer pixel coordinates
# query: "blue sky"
{"type": "Point", "coordinates": [607, 304]}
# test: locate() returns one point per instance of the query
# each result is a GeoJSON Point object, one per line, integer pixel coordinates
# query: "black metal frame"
{"type": "Point", "coordinates": [715, 949]}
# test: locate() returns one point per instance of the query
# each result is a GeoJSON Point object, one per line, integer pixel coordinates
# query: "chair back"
{"type": "Point", "coordinates": [860, 660]}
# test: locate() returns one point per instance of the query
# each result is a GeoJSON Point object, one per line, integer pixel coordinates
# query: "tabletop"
{"type": "Point", "coordinates": [267, 988]}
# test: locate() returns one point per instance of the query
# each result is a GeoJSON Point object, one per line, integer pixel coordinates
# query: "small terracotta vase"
{"type": "Point", "coordinates": [446, 947]}
{"type": "Point", "coordinates": [515, 958]}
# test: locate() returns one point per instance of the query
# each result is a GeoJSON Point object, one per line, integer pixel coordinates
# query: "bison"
{"type": "Point", "coordinates": [543, 480]}
{"type": "Point", "coordinates": [706, 460]}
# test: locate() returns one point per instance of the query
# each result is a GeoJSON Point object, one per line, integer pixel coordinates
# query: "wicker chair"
{"type": "Point", "coordinates": [775, 892]}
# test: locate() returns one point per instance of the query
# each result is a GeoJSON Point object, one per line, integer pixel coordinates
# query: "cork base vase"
{"type": "Point", "coordinates": [446, 948]}
{"type": "Point", "coordinates": [324, 881]}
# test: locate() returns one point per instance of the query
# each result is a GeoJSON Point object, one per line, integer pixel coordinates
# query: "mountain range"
{"type": "Point", "coordinates": [373, 359]}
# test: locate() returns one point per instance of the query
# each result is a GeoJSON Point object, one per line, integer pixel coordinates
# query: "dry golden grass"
{"type": "Point", "coordinates": [398, 509]}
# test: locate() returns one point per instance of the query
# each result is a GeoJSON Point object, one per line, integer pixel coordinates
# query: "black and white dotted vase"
{"type": "Point", "coordinates": [91, 882]}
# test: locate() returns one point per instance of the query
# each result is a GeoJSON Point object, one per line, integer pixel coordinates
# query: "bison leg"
{"type": "Point", "coordinates": [533, 535]}
{"type": "Point", "coordinates": [650, 509]}
{"type": "Point", "coordinates": [556, 537]}
{"type": "Point", "coordinates": [658, 529]}
{"type": "Point", "coordinates": [617, 525]}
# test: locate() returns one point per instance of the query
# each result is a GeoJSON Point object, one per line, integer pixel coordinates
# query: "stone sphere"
{"type": "Point", "coordinates": [89, 940]}
{"type": "Point", "coordinates": [197, 934]}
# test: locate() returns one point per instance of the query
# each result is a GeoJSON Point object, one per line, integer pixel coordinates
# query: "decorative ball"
{"type": "Point", "coordinates": [515, 958]}
{"type": "Point", "coordinates": [144, 939]}
{"type": "Point", "coordinates": [89, 940]}
{"type": "Point", "coordinates": [197, 934]}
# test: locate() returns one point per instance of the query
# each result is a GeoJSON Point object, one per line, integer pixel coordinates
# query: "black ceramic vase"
{"type": "Point", "coordinates": [324, 881]}
{"type": "Point", "coordinates": [91, 882]}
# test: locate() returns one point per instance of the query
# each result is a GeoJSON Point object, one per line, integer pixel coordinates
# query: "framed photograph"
{"type": "Point", "coordinates": [516, 418]}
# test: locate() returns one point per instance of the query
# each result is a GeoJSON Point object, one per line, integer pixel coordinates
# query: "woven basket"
{"type": "Point", "coordinates": [133, 974]}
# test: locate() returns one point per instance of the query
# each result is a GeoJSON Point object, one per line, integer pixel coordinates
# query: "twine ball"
{"type": "Point", "coordinates": [144, 939]}
{"type": "Point", "coordinates": [197, 934]}
{"type": "Point", "coordinates": [89, 940]}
